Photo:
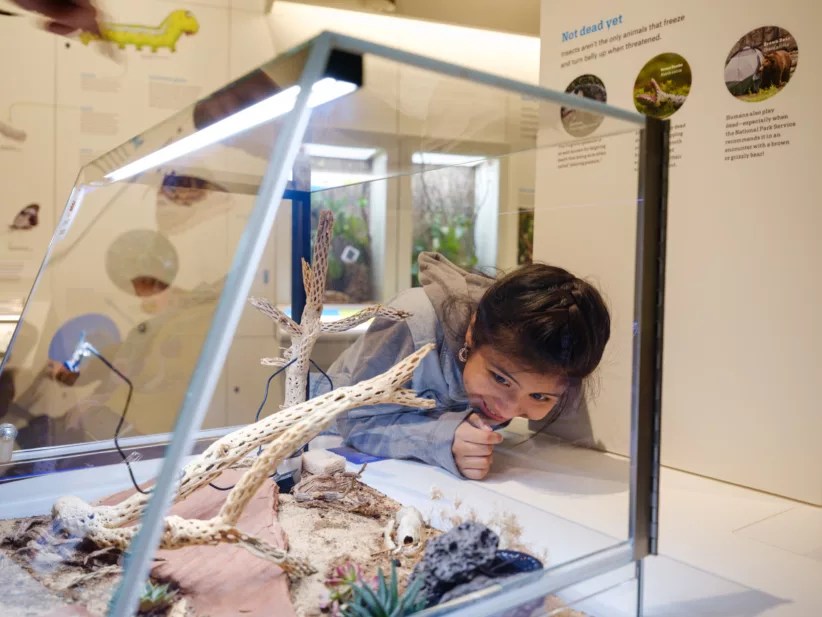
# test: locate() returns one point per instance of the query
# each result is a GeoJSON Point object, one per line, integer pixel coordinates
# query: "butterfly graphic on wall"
{"type": "Point", "coordinates": [12, 132]}
{"type": "Point", "coordinates": [184, 202]}
{"type": "Point", "coordinates": [187, 190]}
{"type": "Point", "coordinates": [27, 218]}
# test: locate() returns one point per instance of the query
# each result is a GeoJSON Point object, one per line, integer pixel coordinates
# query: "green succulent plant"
{"type": "Point", "coordinates": [386, 600]}
{"type": "Point", "coordinates": [155, 597]}
{"type": "Point", "coordinates": [339, 586]}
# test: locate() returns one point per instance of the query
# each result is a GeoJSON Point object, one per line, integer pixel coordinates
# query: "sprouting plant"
{"type": "Point", "coordinates": [340, 584]}
{"type": "Point", "coordinates": [386, 600]}
{"type": "Point", "coordinates": [156, 596]}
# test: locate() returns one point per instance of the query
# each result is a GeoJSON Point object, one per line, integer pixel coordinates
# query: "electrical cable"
{"type": "Point", "coordinates": [122, 417]}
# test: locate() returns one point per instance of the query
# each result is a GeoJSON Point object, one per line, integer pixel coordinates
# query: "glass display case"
{"type": "Point", "coordinates": [279, 286]}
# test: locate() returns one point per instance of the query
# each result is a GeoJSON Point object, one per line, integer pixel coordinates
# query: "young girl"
{"type": "Point", "coordinates": [517, 346]}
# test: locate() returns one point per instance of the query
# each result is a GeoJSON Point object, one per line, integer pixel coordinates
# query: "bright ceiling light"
{"type": "Point", "coordinates": [440, 158]}
{"type": "Point", "coordinates": [339, 152]}
{"type": "Point", "coordinates": [323, 91]}
{"type": "Point", "coordinates": [333, 179]}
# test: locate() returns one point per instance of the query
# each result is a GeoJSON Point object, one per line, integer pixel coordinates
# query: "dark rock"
{"type": "Point", "coordinates": [479, 582]}
{"type": "Point", "coordinates": [507, 562]}
{"type": "Point", "coordinates": [454, 558]}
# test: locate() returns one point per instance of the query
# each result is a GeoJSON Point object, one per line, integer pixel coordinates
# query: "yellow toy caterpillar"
{"type": "Point", "coordinates": [167, 34]}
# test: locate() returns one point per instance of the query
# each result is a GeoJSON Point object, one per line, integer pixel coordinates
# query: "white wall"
{"type": "Point", "coordinates": [408, 101]}
{"type": "Point", "coordinates": [513, 56]}
{"type": "Point", "coordinates": [76, 104]}
{"type": "Point", "coordinates": [521, 16]}
{"type": "Point", "coordinates": [518, 16]}
{"type": "Point", "coordinates": [742, 335]}
{"type": "Point", "coordinates": [82, 104]}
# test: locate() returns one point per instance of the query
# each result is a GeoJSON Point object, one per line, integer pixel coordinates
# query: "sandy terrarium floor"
{"type": "Point", "coordinates": [52, 575]}
{"type": "Point", "coordinates": [46, 574]}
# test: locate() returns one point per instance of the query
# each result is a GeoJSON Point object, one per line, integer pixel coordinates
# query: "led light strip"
{"type": "Point", "coordinates": [323, 91]}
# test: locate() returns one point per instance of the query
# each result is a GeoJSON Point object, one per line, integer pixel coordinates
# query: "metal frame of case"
{"type": "Point", "coordinates": [330, 53]}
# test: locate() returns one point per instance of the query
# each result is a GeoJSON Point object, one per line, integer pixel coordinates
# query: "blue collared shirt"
{"type": "Point", "coordinates": [396, 431]}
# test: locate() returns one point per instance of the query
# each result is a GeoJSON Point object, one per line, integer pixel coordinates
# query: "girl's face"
{"type": "Point", "coordinates": [501, 389]}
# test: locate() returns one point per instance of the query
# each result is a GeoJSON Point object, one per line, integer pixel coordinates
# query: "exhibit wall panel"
{"type": "Point", "coordinates": [742, 338]}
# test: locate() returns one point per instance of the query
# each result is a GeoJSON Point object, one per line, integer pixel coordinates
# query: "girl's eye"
{"type": "Point", "coordinates": [499, 378]}
{"type": "Point", "coordinates": [543, 398]}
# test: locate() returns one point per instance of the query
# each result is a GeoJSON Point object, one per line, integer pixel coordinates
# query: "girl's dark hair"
{"type": "Point", "coordinates": [546, 318]}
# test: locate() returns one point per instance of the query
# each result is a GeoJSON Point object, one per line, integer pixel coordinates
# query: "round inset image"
{"type": "Point", "coordinates": [761, 64]}
{"type": "Point", "coordinates": [578, 122]}
{"type": "Point", "coordinates": [99, 330]}
{"type": "Point", "coordinates": [141, 262]}
{"type": "Point", "coordinates": [662, 85]}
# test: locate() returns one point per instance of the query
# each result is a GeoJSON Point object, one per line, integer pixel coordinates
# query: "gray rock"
{"type": "Point", "coordinates": [478, 582]}
{"type": "Point", "coordinates": [482, 581]}
{"type": "Point", "coordinates": [454, 558]}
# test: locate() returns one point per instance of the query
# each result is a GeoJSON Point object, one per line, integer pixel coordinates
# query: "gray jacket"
{"type": "Point", "coordinates": [440, 311]}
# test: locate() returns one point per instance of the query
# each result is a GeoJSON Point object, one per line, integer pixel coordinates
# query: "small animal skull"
{"type": "Point", "coordinates": [409, 537]}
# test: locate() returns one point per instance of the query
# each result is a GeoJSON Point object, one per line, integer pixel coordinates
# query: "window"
{"type": "Point", "coordinates": [455, 209]}
{"type": "Point", "coordinates": [339, 177]}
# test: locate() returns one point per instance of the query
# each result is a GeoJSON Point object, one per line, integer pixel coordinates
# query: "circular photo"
{"type": "Point", "coordinates": [142, 262]}
{"type": "Point", "coordinates": [578, 122]}
{"type": "Point", "coordinates": [761, 63]}
{"type": "Point", "coordinates": [662, 85]}
{"type": "Point", "coordinates": [99, 330]}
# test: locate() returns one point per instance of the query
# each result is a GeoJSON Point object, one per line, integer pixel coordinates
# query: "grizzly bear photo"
{"type": "Point", "coordinates": [776, 68]}
{"type": "Point", "coordinates": [761, 63]}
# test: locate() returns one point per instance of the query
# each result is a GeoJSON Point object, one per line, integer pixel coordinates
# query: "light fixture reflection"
{"type": "Point", "coordinates": [444, 159]}
{"type": "Point", "coordinates": [339, 152]}
{"type": "Point", "coordinates": [323, 91]}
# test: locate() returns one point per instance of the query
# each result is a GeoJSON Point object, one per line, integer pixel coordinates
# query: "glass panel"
{"type": "Point", "coordinates": [611, 595]}
{"type": "Point", "coordinates": [128, 276]}
{"type": "Point", "coordinates": [465, 185]}
{"type": "Point", "coordinates": [350, 270]}
{"type": "Point", "coordinates": [413, 161]}
{"type": "Point", "coordinates": [570, 466]}
{"type": "Point", "coordinates": [441, 121]}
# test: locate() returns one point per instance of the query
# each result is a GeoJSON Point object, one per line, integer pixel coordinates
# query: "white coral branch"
{"type": "Point", "coordinates": [283, 431]}
{"type": "Point", "coordinates": [319, 265]}
{"type": "Point", "coordinates": [279, 434]}
{"type": "Point", "coordinates": [288, 324]}
{"type": "Point", "coordinates": [308, 280]}
{"type": "Point", "coordinates": [278, 362]}
{"type": "Point", "coordinates": [378, 310]}
{"type": "Point", "coordinates": [385, 388]}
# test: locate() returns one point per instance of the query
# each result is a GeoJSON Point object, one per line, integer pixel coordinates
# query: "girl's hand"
{"type": "Point", "coordinates": [473, 447]}
{"type": "Point", "coordinates": [65, 16]}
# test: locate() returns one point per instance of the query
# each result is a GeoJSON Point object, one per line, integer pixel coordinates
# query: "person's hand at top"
{"type": "Point", "coordinates": [473, 447]}
{"type": "Point", "coordinates": [65, 16]}
{"type": "Point", "coordinates": [58, 372]}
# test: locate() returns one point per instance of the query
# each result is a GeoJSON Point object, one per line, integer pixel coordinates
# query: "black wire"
{"type": "Point", "coordinates": [257, 417]}
{"type": "Point", "coordinates": [128, 402]}
{"type": "Point", "coordinates": [122, 418]}
{"type": "Point", "coordinates": [330, 383]}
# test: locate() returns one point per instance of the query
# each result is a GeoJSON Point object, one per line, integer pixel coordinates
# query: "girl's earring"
{"type": "Point", "coordinates": [463, 354]}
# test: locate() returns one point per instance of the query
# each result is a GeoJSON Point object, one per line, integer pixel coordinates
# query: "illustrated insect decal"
{"type": "Point", "coordinates": [27, 218]}
{"type": "Point", "coordinates": [167, 34]}
{"type": "Point", "coordinates": [11, 132]}
{"type": "Point", "coordinates": [187, 190]}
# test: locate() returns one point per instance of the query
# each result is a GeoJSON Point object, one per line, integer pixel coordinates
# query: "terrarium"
{"type": "Point", "coordinates": [173, 397]}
